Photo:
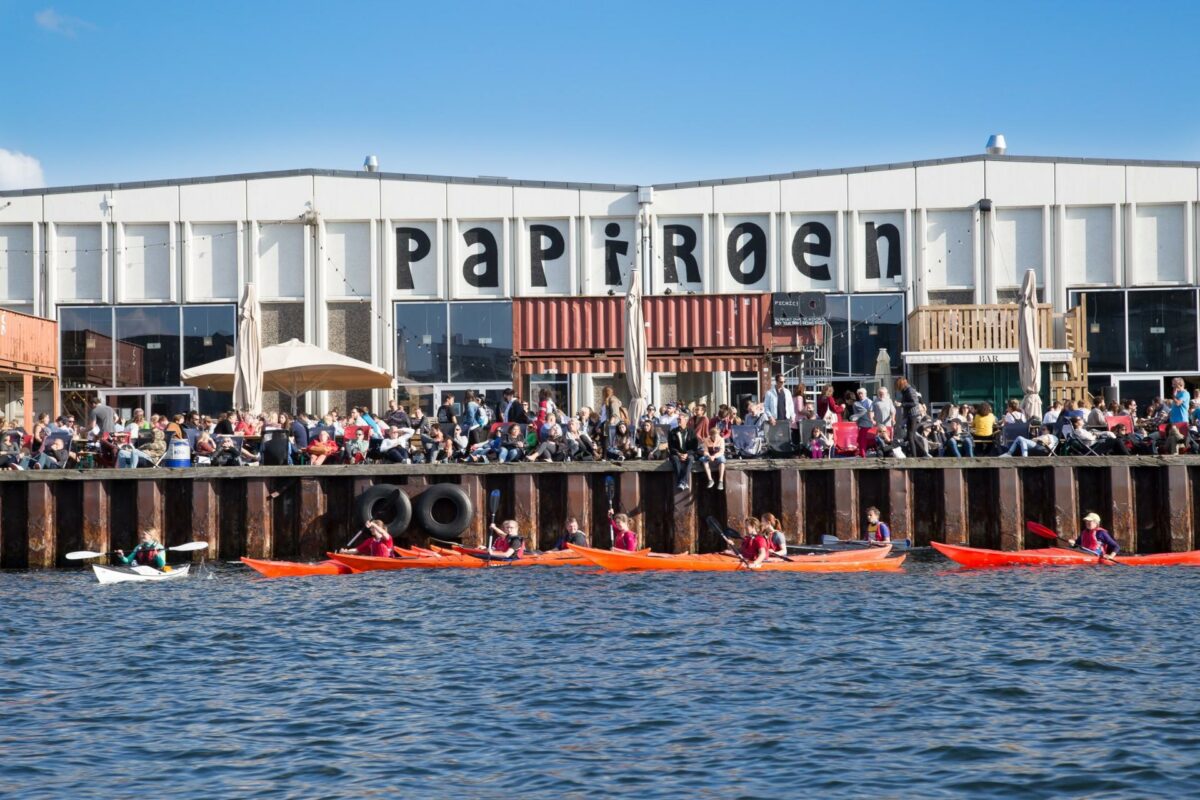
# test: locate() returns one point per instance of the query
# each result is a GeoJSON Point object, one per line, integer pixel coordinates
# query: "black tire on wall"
{"type": "Point", "coordinates": [464, 511]}
{"type": "Point", "coordinates": [386, 503]}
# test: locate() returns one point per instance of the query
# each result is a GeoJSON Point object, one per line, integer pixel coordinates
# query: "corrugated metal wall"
{"type": "Point", "coordinates": [680, 322]}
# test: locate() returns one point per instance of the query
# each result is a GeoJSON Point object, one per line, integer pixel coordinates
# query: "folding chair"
{"type": "Point", "coordinates": [1126, 420]}
{"type": "Point", "coordinates": [747, 441]}
{"type": "Point", "coordinates": [779, 440]}
{"type": "Point", "coordinates": [1010, 432]}
{"type": "Point", "coordinates": [845, 439]}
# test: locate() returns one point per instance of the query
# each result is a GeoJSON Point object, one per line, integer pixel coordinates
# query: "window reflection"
{"type": "Point", "coordinates": [1162, 331]}
{"type": "Point", "coordinates": [208, 334]}
{"type": "Point", "coordinates": [147, 346]}
{"type": "Point", "coordinates": [837, 315]}
{"type": "Point", "coordinates": [85, 336]}
{"type": "Point", "coordinates": [878, 322]}
{"type": "Point", "coordinates": [481, 343]}
{"type": "Point", "coordinates": [421, 342]}
{"type": "Point", "coordinates": [1105, 330]}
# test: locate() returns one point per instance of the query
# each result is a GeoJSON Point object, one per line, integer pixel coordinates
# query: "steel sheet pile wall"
{"type": "Point", "coordinates": [301, 512]}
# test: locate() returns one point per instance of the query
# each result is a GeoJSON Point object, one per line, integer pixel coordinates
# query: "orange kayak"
{"type": "Point", "coordinates": [293, 569]}
{"type": "Point", "coordinates": [554, 558]}
{"type": "Point", "coordinates": [371, 563]}
{"type": "Point", "coordinates": [976, 557]}
{"type": "Point", "coordinates": [717, 563]}
{"type": "Point", "coordinates": [862, 554]}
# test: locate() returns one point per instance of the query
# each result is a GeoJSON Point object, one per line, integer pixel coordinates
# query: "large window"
{"type": "Point", "coordinates": [861, 325]}
{"type": "Point", "coordinates": [1140, 330]}
{"type": "Point", "coordinates": [143, 346]}
{"type": "Point", "coordinates": [454, 342]}
{"type": "Point", "coordinates": [1162, 331]}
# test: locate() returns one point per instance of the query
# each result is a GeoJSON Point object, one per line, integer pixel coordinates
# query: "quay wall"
{"type": "Point", "coordinates": [1149, 503]}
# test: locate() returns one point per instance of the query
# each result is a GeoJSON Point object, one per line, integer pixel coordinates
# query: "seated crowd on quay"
{"type": "Point", "coordinates": [785, 423]}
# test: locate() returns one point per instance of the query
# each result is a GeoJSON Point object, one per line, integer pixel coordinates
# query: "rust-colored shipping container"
{"type": "Point", "coordinates": [678, 322]}
{"type": "Point", "coordinates": [28, 344]}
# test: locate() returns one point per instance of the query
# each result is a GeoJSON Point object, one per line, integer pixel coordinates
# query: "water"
{"type": "Point", "coordinates": [560, 682]}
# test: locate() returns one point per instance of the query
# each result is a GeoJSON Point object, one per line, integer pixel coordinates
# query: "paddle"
{"type": "Point", "coordinates": [180, 548]}
{"type": "Point", "coordinates": [493, 506]}
{"type": "Point", "coordinates": [1038, 529]}
{"type": "Point", "coordinates": [610, 488]}
{"type": "Point", "coordinates": [716, 528]}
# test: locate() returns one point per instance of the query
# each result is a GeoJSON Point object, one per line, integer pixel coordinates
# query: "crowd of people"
{"type": "Point", "coordinates": [787, 422]}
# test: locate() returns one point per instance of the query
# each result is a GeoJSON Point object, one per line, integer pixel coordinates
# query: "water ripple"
{"type": "Point", "coordinates": [564, 683]}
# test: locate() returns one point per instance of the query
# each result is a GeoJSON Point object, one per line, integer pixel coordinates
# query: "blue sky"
{"type": "Point", "coordinates": [613, 92]}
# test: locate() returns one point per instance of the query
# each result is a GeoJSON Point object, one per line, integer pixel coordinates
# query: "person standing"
{"type": "Point", "coordinates": [1179, 402]}
{"type": "Point", "coordinates": [910, 402]}
{"type": "Point", "coordinates": [778, 402]}
{"type": "Point", "coordinates": [103, 417]}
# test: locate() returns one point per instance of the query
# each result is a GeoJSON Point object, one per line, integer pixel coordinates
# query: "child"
{"type": "Point", "coordinates": [623, 537]}
{"type": "Point", "coordinates": [507, 543]}
{"type": "Point", "coordinates": [572, 535]}
{"type": "Point", "coordinates": [877, 529]}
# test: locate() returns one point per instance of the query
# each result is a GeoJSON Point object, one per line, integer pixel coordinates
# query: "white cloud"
{"type": "Point", "coordinates": [19, 171]}
{"type": "Point", "coordinates": [51, 20]}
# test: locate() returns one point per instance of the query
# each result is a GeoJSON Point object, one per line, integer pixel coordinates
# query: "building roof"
{"type": "Point", "coordinates": [601, 187]}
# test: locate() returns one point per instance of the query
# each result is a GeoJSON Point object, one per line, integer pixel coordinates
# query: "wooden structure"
{"type": "Point", "coordinates": [29, 350]}
{"type": "Point", "coordinates": [1149, 503]}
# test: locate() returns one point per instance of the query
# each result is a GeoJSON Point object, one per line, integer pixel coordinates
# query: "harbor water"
{"type": "Point", "coordinates": [567, 682]}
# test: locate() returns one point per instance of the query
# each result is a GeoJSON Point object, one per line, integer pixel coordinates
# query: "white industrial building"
{"type": "Point", "coordinates": [144, 277]}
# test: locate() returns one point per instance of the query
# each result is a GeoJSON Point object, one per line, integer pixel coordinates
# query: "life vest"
{"type": "Point", "coordinates": [577, 538]}
{"type": "Point", "coordinates": [777, 542]}
{"type": "Point", "coordinates": [148, 554]}
{"type": "Point", "coordinates": [379, 548]}
{"type": "Point", "coordinates": [504, 542]}
{"type": "Point", "coordinates": [876, 531]}
{"type": "Point", "coordinates": [1090, 540]}
{"type": "Point", "coordinates": [752, 544]}
{"type": "Point", "coordinates": [625, 540]}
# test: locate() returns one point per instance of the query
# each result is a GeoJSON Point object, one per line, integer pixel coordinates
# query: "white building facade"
{"type": "Point", "coordinates": [419, 273]}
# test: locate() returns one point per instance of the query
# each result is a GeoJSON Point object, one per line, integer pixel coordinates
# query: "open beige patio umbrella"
{"type": "Point", "coordinates": [636, 368]}
{"type": "Point", "coordinates": [247, 352]}
{"type": "Point", "coordinates": [295, 368]}
{"type": "Point", "coordinates": [1029, 362]}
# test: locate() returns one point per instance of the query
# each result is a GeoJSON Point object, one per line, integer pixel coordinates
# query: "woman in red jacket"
{"type": "Point", "coordinates": [828, 402]}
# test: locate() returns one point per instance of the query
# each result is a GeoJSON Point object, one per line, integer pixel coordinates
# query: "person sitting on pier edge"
{"type": "Point", "coordinates": [507, 543]}
{"type": "Point", "coordinates": [755, 548]}
{"type": "Point", "coordinates": [1095, 539]}
{"type": "Point", "coordinates": [877, 529]}
{"type": "Point", "coordinates": [682, 445]}
{"type": "Point", "coordinates": [148, 553]}
{"type": "Point", "coordinates": [776, 542]}
{"type": "Point", "coordinates": [713, 452]}
{"type": "Point", "coordinates": [623, 538]}
{"type": "Point", "coordinates": [378, 543]}
{"type": "Point", "coordinates": [572, 535]}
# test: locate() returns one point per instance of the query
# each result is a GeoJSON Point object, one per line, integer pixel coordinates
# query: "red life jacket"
{"type": "Point", "coordinates": [381, 548]}
{"type": "Point", "coordinates": [752, 544]}
{"type": "Point", "coordinates": [1089, 541]}
{"type": "Point", "coordinates": [147, 555]}
{"type": "Point", "coordinates": [625, 540]}
{"type": "Point", "coordinates": [502, 543]}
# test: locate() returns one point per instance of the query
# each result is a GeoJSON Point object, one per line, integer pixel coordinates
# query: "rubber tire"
{"type": "Point", "coordinates": [380, 501]}
{"type": "Point", "coordinates": [444, 530]}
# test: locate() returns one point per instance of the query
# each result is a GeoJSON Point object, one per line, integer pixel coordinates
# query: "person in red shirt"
{"type": "Point", "coordinates": [378, 543]}
{"type": "Point", "coordinates": [755, 547]}
{"type": "Point", "coordinates": [622, 537]}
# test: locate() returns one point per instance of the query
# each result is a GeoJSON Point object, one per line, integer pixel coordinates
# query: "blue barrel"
{"type": "Point", "coordinates": [180, 455]}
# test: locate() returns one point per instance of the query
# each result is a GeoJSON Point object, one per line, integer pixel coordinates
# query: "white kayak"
{"type": "Point", "coordinates": [137, 572]}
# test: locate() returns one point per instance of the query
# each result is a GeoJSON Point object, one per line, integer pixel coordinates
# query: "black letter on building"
{"type": "Point", "coordinates": [489, 257]}
{"type": "Point", "coordinates": [682, 250]}
{"type": "Point", "coordinates": [889, 232]}
{"type": "Point", "coordinates": [736, 256]}
{"type": "Point", "coordinates": [412, 244]}
{"type": "Point", "coordinates": [823, 247]}
{"type": "Point", "coordinates": [545, 244]}
{"type": "Point", "coordinates": [612, 249]}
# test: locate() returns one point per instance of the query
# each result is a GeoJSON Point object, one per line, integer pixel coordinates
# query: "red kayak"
{"type": "Point", "coordinates": [293, 569]}
{"type": "Point", "coordinates": [976, 557]}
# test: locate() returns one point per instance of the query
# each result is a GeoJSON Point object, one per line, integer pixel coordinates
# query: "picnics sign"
{"type": "Point", "coordinates": [689, 254]}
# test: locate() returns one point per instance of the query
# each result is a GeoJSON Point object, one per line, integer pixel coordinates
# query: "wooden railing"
{"type": "Point", "coordinates": [973, 327]}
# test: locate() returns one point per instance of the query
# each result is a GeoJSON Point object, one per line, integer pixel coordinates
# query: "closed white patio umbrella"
{"type": "Point", "coordinates": [247, 353]}
{"type": "Point", "coordinates": [1029, 361]}
{"type": "Point", "coordinates": [636, 368]}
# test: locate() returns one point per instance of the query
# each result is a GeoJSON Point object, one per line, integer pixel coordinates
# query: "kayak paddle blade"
{"type": "Point", "coordinates": [494, 501]}
{"type": "Point", "coordinates": [1040, 530]}
{"type": "Point", "coordinates": [189, 546]}
{"type": "Point", "coordinates": [81, 554]}
{"type": "Point", "coordinates": [610, 488]}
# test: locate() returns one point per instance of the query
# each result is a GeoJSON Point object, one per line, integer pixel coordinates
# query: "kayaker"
{"type": "Point", "coordinates": [378, 542]}
{"type": "Point", "coordinates": [148, 553]}
{"type": "Point", "coordinates": [1094, 539]}
{"type": "Point", "coordinates": [755, 547]}
{"type": "Point", "coordinates": [622, 537]}
{"type": "Point", "coordinates": [572, 535]}
{"type": "Point", "coordinates": [877, 530]}
{"type": "Point", "coordinates": [776, 542]}
{"type": "Point", "coordinates": [507, 543]}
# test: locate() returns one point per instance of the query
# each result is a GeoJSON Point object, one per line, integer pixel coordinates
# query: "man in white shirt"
{"type": "Point", "coordinates": [1051, 416]}
{"type": "Point", "coordinates": [778, 402]}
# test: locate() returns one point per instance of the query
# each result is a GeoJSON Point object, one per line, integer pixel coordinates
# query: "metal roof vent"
{"type": "Point", "coordinates": [996, 145]}
{"type": "Point", "coordinates": [372, 164]}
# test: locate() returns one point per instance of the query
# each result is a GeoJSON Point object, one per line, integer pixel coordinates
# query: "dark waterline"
{"type": "Point", "coordinates": [561, 682]}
